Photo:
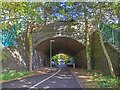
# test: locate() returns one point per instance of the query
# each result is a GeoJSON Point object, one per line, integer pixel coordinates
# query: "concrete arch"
{"type": "Point", "coordinates": [66, 45]}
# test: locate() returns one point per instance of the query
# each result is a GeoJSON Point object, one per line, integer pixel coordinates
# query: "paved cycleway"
{"type": "Point", "coordinates": [62, 78]}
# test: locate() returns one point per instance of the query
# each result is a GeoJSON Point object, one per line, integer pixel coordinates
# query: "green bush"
{"type": "Point", "coordinates": [4, 57]}
{"type": "Point", "coordinates": [106, 81]}
{"type": "Point", "coordinates": [12, 74]}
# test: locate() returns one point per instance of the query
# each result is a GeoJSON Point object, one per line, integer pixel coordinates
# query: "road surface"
{"type": "Point", "coordinates": [63, 78]}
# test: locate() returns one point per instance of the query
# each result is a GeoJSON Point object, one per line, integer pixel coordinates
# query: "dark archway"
{"type": "Point", "coordinates": [64, 45]}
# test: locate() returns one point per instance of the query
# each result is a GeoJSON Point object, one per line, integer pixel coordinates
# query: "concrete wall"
{"type": "Point", "coordinates": [98, 58]}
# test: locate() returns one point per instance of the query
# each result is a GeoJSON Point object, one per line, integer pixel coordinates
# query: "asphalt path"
{"type": "Point", "coordinates": [62, 78]}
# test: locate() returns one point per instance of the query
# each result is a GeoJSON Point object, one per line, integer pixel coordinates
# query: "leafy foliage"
{"type": "Point", "coordinates": [61, 56]}
{"type": "Point", "coordinates": [55, 58]}
{"type": "Point", "coordinates": [22, 12]}
{"type": "Point", "coordinates": [15, 17]}
{"type": "Point", "coordinates": [27, 11]}
{"type": "Point", "coordinates": [106, 81]}
{"type": "Point", "coordinates": [12, 74]}
{"type": "Point", "coordinates": [4, 57]}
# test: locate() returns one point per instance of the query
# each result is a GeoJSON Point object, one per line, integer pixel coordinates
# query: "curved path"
{"type": "Point", "coordinates": [63, 78]}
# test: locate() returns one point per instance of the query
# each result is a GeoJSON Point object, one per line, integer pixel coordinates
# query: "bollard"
{"type": "Point", "coordinates": [73, 65]}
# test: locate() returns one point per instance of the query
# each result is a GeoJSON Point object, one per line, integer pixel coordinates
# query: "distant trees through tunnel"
{"type": "Point", "coordinates": [62, 56]}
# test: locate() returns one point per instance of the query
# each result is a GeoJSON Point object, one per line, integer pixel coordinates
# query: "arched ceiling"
{"type": "Point", "coordinates": [61, 45]}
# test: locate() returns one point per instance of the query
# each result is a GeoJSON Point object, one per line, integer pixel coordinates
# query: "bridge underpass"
{"type": "Point", "coordinates": [66, 45]}
{"type": "Point", "coordinates": [69, 39]}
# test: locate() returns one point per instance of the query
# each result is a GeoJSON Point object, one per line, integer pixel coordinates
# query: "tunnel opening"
{"type": "Point", "coordinates": [61, 45]}
{"type": "Point", "coordinates": [61, 56]}
{"type": "Point", "coordinates": [62, 59]}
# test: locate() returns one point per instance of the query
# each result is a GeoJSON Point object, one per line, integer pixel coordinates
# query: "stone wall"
{"type": "Point", "coordinates": [17, 55]}
{"type": "Point", "coordinates": [39, 60]}
{"type": "Point", "coordinates": [80, 59]}
{"type": "Point", "coordinates": [98, 58]}
{"type": "Point", "coordinates": [115, 58]}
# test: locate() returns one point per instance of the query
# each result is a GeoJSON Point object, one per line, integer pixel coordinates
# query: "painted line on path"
{"type": "Point", "coordinates": [45, 79]}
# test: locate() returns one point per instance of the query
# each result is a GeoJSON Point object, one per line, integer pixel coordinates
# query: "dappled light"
{"type": "Point", "coordinates": [46, 87]}
{"type": "Point", "coordinates": [60, 44]}
{"type": "Point", "coordinates": [37, 60]}
{"type": "Point", "coordinates": [17, 54]}
{"type": "Point", "coordinates": [85, 78]}
{"type": "Point", "coordinates": [63, 77]}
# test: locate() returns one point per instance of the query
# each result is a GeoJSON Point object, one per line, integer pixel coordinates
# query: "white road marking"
{"type": "Point", "coordinates": [45, 79]}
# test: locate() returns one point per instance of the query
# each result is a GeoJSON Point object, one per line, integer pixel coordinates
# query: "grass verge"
{"type": "Point", "coordinates": [12, 74]}
{"type": "Point", "coordinates": [103, 81]}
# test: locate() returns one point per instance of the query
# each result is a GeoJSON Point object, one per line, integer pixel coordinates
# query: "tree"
{"type": "Point", "coordinates": [25, 13]}
{"type": "Point", "coordinates": [102, 43]}
{"type": "Point", "coordinates": [87, 38]}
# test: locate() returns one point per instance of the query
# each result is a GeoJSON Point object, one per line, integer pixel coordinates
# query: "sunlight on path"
{"type": "Point", "coordinates": [83, 78]}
